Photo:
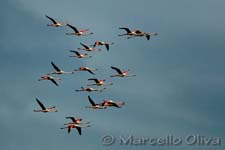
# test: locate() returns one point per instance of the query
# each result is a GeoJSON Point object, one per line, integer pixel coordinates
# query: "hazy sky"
{"type": "Point", "coordinates": [179, 88]}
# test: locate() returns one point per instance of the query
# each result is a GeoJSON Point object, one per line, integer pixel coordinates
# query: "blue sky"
{"type": "Point", "coordinates": [179, 88]}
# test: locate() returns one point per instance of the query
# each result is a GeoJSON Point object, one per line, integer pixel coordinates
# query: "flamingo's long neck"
{"type": "Point", "coordinates": [71, 72]}
{"type": "Point", "coordinates": [115, 75]}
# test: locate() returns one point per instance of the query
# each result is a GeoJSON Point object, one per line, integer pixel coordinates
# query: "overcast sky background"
{"type": "Point", "coordinates": [179, 88]}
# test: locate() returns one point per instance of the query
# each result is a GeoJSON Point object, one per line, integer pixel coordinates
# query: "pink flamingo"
{"type": "Point", "coordinates": [136, 33]}
{"type": "Point", "coordinates": [94, 105]}
{"type": "Point", "coordinates": [87, 48]}
{"type": "Point", "coordinates": [88, 89]}
{"type": "Point", "coordinates": [78, 32]}
{"type": "Point", "coordinates": [99, 82]}
{"type": "Point", "coordinates": [121, 73]}
{"type": "Point", "coordinates": [59, 71]}
{"type": "Point", "coordinates": [103, 43]}
{"type": "Point", "coordinates": [111, 103]}
{"type": "Point", "coordinates": [44, 109]}
{"type": "Point", "coordinates": [50, 78]}
{"type": "Point", "coordinates": [55, 23]}
{"type": "Point", "coordinates": [86, 69]}
{"type": "Point", "coordinates": [78, 55]}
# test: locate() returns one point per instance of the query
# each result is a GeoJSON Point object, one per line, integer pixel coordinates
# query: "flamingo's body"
{"type": "Point", "coordinates": [103, 43]}
{"type": "Point", "coordinates": [86, 69]}
{"type": "Point", "coordinates": [136, 33]}
{"type": "Point", "coordinates": [71, 126]}
{"type": "Point", "coordinates": [59, 71]}
{"type": "Point", "coordinates": [89, 89]}
{"type": "Point", "coordinates": [78, 55]}
{"type": "Point", "coordinates": [76, 123]}
{"type": "Point", "coordinates": [50, 78]}
{"type": "Point", "coordinates": [121, 73]}
{"type": "Point", "coordinates": [99, 82]}
{"type": "Point", "coordinates": [94, 105]}
{"type": "Point", "coordinates": [44, 109]}
{"type": "Point", "coordinates": [128, 32]}
{"type": "Point", "coordinates": [87, 48]}
{"type": "Point", "coordinates": [78, 32]}
{"type": "Point", "coordinates": [55, 23]}
{"type": "Point", "coordinates": [77, 126]}
{"type": "Point", "coordinates": [111, 103]}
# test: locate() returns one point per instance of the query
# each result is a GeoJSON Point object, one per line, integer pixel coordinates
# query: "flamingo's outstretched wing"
{"type": "Point", "coordinates": [76, 52]}
{"type": "Point", "coordinates": [147, 36]}
{"type": "Point", "coordinates": [107, 46]}
{"type": "Point", "coordinates": [69, 129]}
{"type": "Point", "coordinates": [126, 29]}
{"type": "Point", "coordinates": [94, 79]}
{"type": "Point", "coordinates": [51, 19]}
{"type": "Point", "coordinates": [74, 28]}
{"type": "Point", "coordinates": [40, 104]}
{"type": "Point", "coordinates": [91, 101]}
{"type": "Point", "coordinates": [95, 44]}
{"type": "Point", "coordinates": [72, 118]}
{"type": "Point", "coordinates": [114, 104]}
{"type": "Point", "coordinates": [79, 130]}
{"type": "Point", "coordinates": [53, 81]}
{"type": "Point", "coordinates": [91, 72]}
{"type": "Point", "coordinates": [55, 67]}
{"type": "Point", "coordinates": [85, 46]}
{"type": "Point", "coordinates": [117, 70]}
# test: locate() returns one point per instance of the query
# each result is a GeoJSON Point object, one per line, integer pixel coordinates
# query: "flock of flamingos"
{"type": "Point", "coordinates": [101, 83]}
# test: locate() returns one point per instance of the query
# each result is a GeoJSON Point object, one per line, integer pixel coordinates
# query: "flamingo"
{"type": "Point", "coordinates": [136, 33]}
{"type": "Point", "coordinates": [87, 48]}
{"type": "Point", "coordinates": [86, 69]}
{"type": "Point", "coordinates": [139, 33]}
{"type": "Point", "coordinates": [75, 121]}
{"type": "Point", "coordinates": [50, 78]}
{"type": "Point", "coordinates": [78, 32]}
{"type": "Point", "coordinates": [58, 71]}
{"type": "Point", "coordinates": [94, 105]}
{"type": "Point", "coordinates": [77, 126]}
{"type": "Point", "coordinates": [111, 103]}
{"type": "Point", "coordinates": [128, 32]}
{"type": "Point", "coordinates": [55, 23]}
{"type": "Point", "coordinates": [44, 109]}
{"type": "Point", "coordinates": [88, 89]}
{"type": "Point", "coordinates": [78, 55]}
{"type": "Point", "coordinates": [99, 82]}
{"type": "Point", "coordinates": [120, 73]}
{"type": "Point", "coordinates": [103, 43]}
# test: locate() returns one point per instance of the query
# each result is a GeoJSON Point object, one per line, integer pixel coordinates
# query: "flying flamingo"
{"type": "Point", "coordinates": [136, 33]}
{"type": "Point", "coordinates": [87, 48]}
{"type": "Point", "coordinates": [99, 82]}
{"type": "Point", "coordinates": [140, 33]}
{"type": "Point", "coordinates": [103, 43]}
{"type": "Point", "coordinates": [77, 126]}
{"type": "Point", "coordinates": [44, 109]}
{"type": "Point", "coordinates": [86, 69]}
{"type": "Point", "coordinates": [50, 78]}
{"type": "Point", "coordinates": [75, 121]}
{"type": "Point", "coordinates": [78, 32]}
{"type": "Point", "coordinates": [78, 55]}
{"type": "Point", "coordinates": [128, 32]}
{"type": "Point", "coordinates": [120, 73]}
{"type": "Point", "coordinates": [88, 89]}
{"type": "Point", "coordinates": [94, 105]}
{"type": "Point", "coordinates": [58, 71]}
{"type": "Point", "coordinates": [55, 23]}
{"type": "Point", "coordinates": [111, 103]}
